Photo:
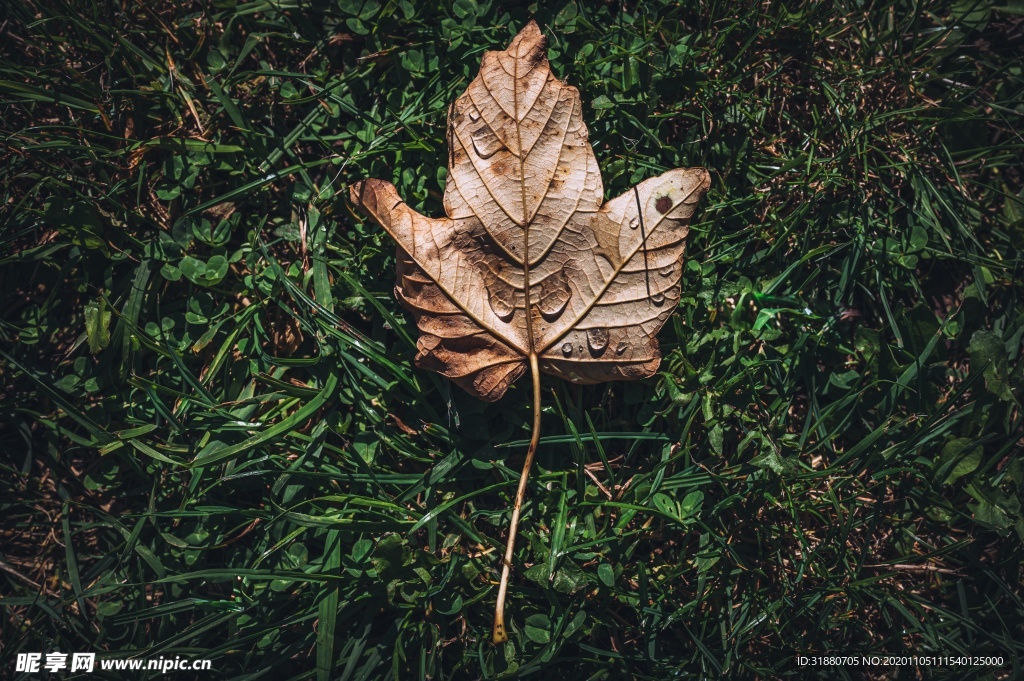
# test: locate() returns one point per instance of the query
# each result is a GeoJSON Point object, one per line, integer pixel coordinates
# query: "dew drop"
{"type": "Point", "coordinates": [554, 294]}
{"type": "Point", "coordinates": [501, 297]}
{"type": "Point", "coordinates": [501, 305]}
{"type": "Point", "coordinates": [474, 115]}
{"type": "Point", "coordinates": [658, 298]}
{"type": "Point", "coordinates": [597, 339]}
{"type": "Point", "coordinates": [634, 223]}
{"type": "Point", "coordinates": [620, 348]}
{"type": "Point", "coordinates": [486, 143]}
{"type": "Point", "coordinates": [667, 271]}
{"type": "Point", "coordinates": [567, 349]}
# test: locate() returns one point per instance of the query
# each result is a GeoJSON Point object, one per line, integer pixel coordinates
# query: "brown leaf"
{"type": "Point", "coordinates": [529, 269]}
{"type": "Point", "coordinates": [526, 221]}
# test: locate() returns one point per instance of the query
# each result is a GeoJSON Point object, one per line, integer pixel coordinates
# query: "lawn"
{"type": "Point", "coordinates": [214, 443]}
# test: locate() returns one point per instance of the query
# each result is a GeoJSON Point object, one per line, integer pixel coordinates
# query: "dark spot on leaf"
{"type": "Point", "coordinates": [503, 166]}
{"type": "Point", "coordinates": [663, 204]}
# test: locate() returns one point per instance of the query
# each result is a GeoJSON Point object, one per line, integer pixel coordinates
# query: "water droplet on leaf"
{"type": "Point", "coordinates": [658, 298]}
{"type": "Point", "coordinates": [567, 349]}
{"type": "Point", "coordinates": [486, 143]}
{"type": "Point", "coordinates": [620, 348]}
{"type": "Point", "coordinates": [554, 295]}
{"type": "Point", "coordinates": [500, 296]}
{"type": "Point", "coordinates": [597, 339]}
{"type": "Point", "coordinates": [501, 305]}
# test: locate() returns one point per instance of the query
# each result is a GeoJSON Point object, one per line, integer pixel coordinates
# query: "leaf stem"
{"type": "Point", "coordinates": [499, 633]}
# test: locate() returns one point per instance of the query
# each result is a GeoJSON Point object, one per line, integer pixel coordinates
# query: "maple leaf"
{"type": "Point", "coordinates": [531, 269]}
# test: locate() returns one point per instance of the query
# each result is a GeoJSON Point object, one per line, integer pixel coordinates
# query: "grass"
{"type": "Point", "coordinates": [214, 443]}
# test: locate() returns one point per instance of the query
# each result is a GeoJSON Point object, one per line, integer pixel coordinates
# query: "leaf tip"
{"type": "Point", "coordinates": [355, 193]}
{"type": "Point", "coordinates": [529, 43]}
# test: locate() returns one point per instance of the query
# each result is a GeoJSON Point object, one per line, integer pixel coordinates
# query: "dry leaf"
{"type": "Point", "coordinates": [598, 292]}
{"type": "Point", "coordinates": [526, 222]}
